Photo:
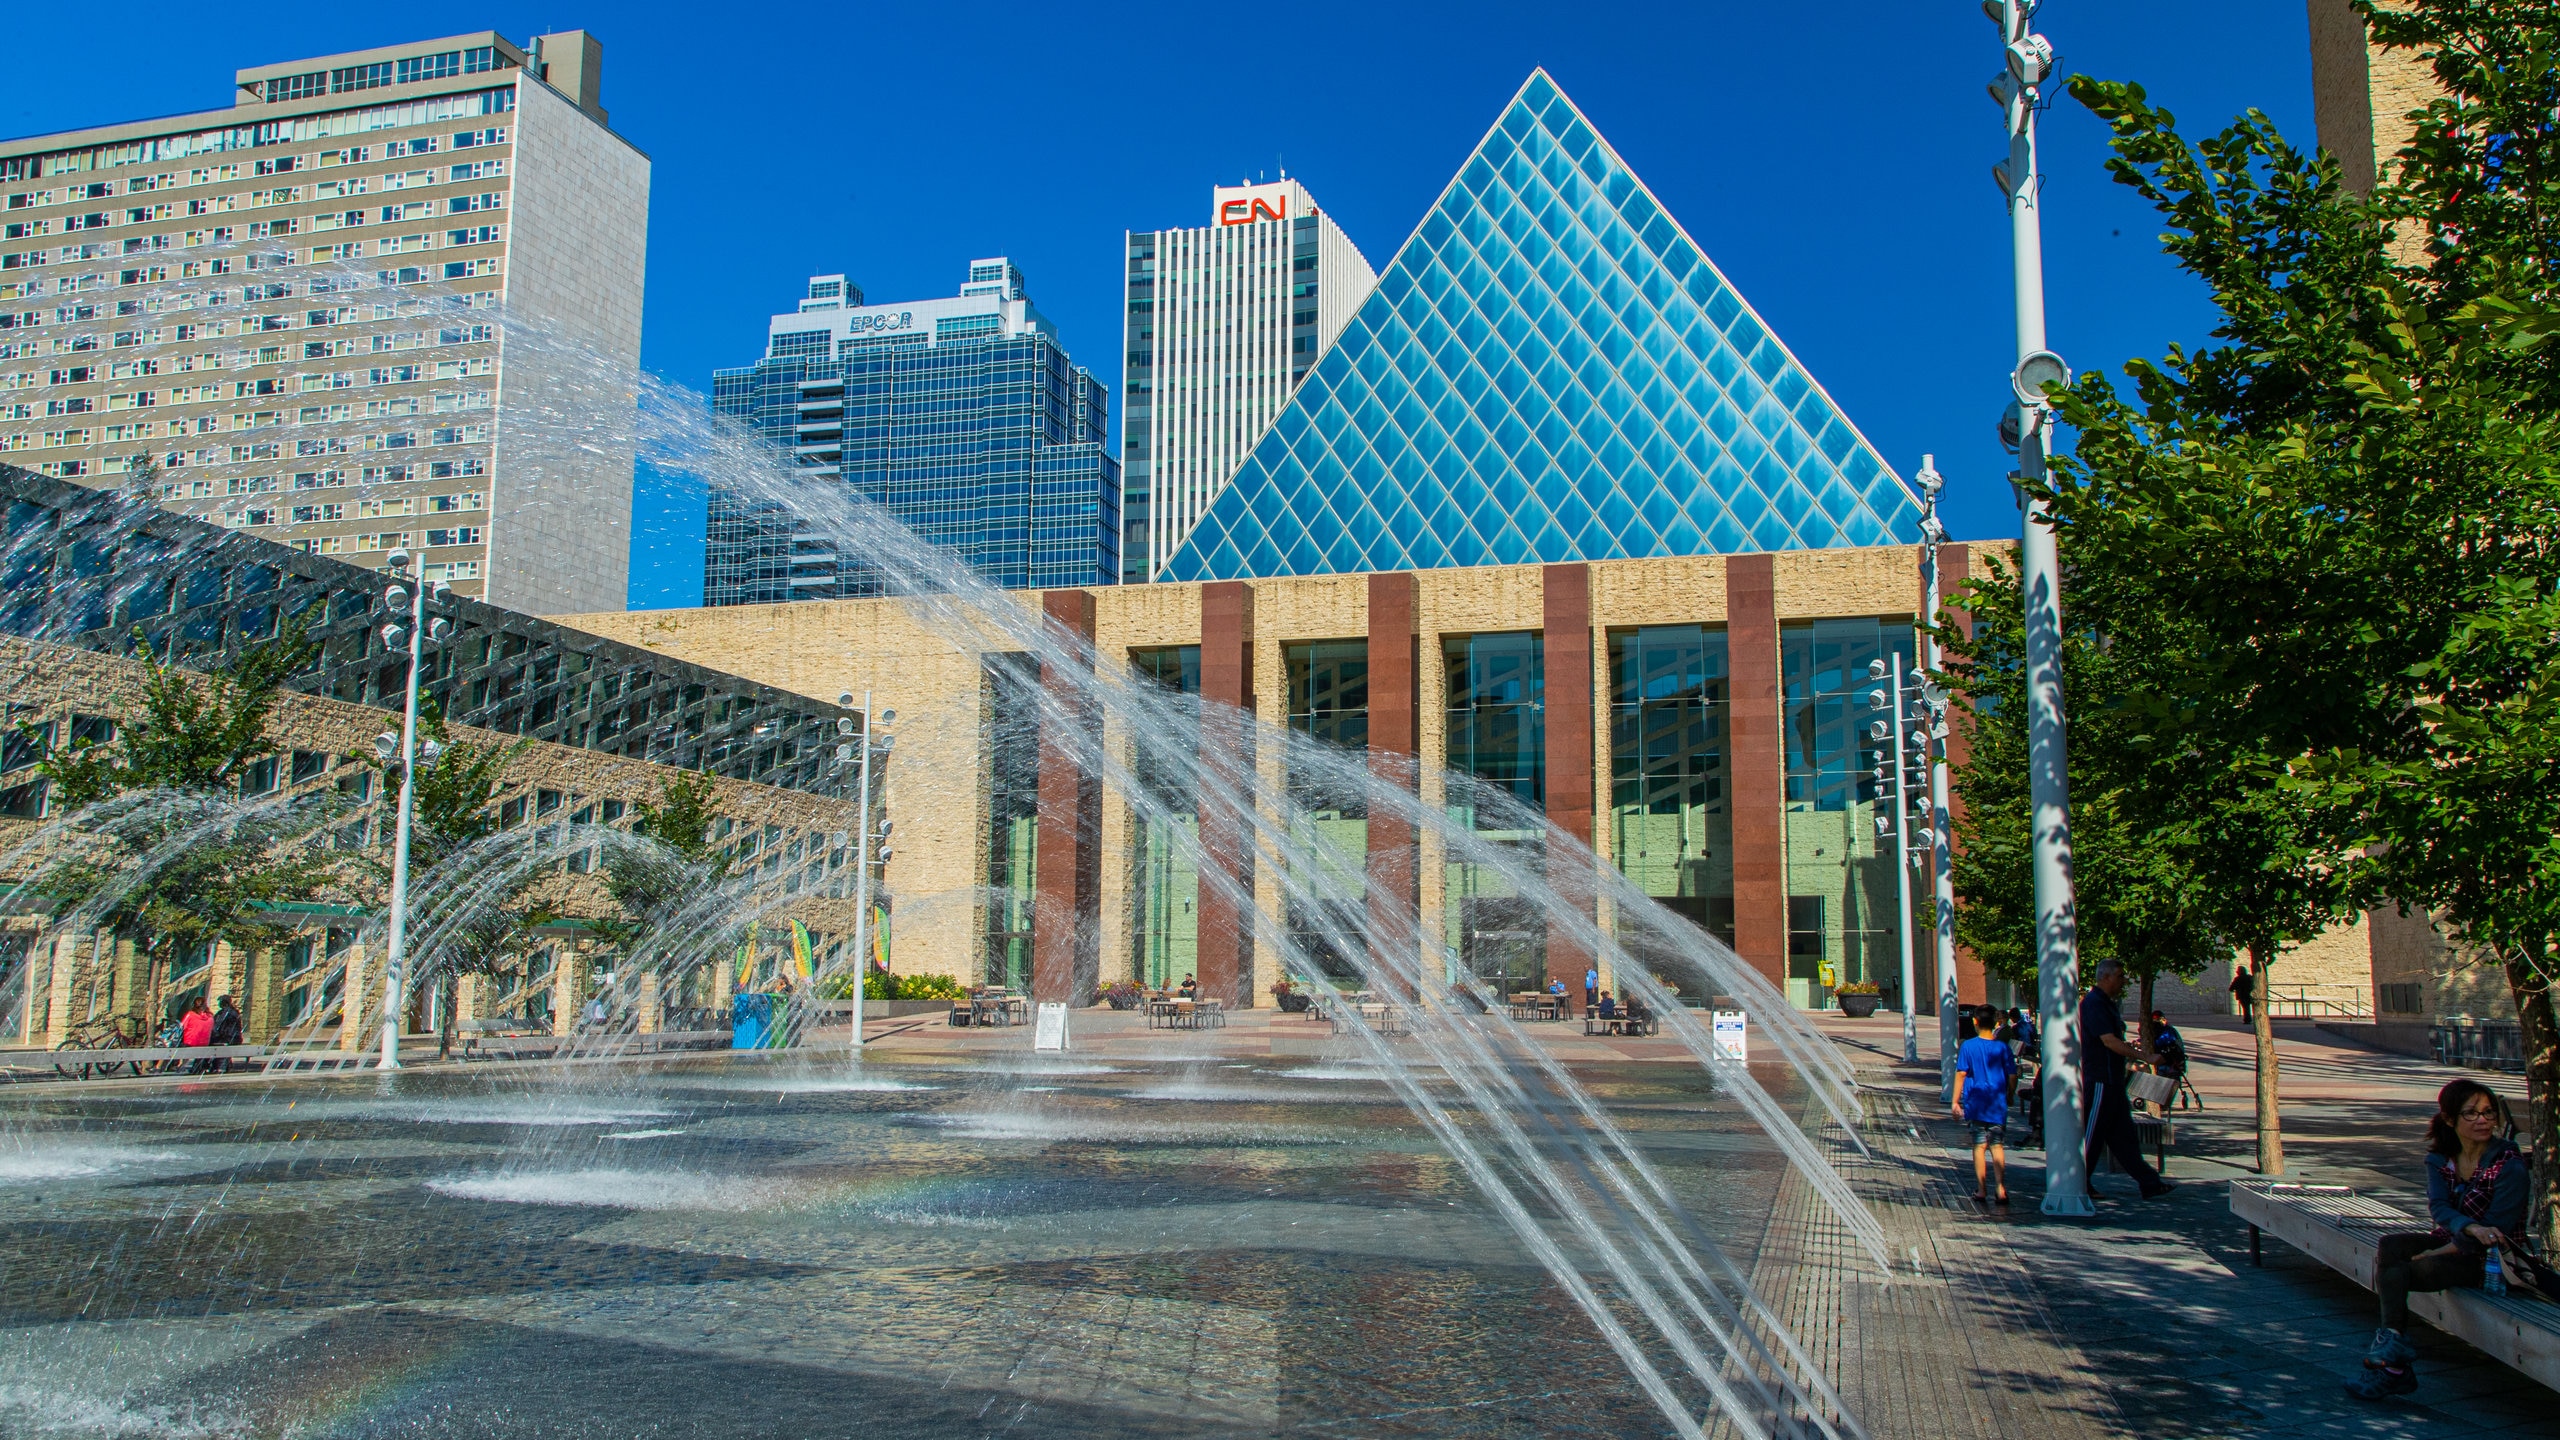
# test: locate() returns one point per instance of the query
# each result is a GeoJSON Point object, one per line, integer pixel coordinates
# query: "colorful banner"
{"type": "Point", "coordinates": [747, 960]}
{"type": "Point", "coordinates": [801, 957]}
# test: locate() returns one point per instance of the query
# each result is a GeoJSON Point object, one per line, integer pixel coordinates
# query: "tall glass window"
{"type": "Point", "coordinates": [1166, 832]}
{"type": "Point", "coordinates": [1842, 925]}
{"type": "Point", "coordinates": [1670, 819]}
{"type": "Point", "coordinates": [1497, 736]}
{"type": "Point", "coordinates": [1329, 713]}
{"type": "Point", "coordinates": [1009, 738]}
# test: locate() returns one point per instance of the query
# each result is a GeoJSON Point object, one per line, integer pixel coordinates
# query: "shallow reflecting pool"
{"type": "Point", "coordinates": [764, 1247]}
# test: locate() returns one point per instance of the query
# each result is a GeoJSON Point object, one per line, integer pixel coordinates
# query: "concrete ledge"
{"type": "Point", "coordinates": [2397, 1037]}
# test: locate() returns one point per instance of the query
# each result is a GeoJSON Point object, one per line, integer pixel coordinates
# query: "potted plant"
{"type": "Point", "coordinates": [1123, 994]}
{"type": "Point", "coordinates": [1293, 1000]}
{"type": "Point", "coordinates": [1859, 998]}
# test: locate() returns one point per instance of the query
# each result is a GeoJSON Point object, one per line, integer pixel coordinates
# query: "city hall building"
{"type": "Point", "coordinates": [1555, 509]}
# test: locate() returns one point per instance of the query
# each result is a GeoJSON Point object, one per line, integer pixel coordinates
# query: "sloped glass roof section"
{"type": "Point", "coordinates": [1549, 370]}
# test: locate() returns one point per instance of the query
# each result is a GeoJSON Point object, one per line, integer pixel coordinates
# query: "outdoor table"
{"type": "Point", "coordinates": [1524, 1005]}
{"type": "Point", "coordinates": [1551, 1007]}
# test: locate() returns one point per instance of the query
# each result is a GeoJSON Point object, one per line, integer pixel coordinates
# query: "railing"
{"type": "Point", "coordinates": [2477, 1044]}
{"type": "Point", "coordinates": [2337, 1002]}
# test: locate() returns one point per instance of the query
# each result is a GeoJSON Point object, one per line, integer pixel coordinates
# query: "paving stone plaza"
{"type": "Point", "coordinates": [1239, 1232]}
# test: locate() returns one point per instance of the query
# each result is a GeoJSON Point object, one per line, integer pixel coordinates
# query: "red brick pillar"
{"type": "Point", "coordinates": [1955, 566]}
{"type": "Point", "coordinates": [1066, 938]}
{"type": "Point", "coordinates": [1757, 727]}
{"type": "Point", "coordinates": [1395, 692]}
{"type": "Point", "coordinates": [1226, 785]}
{"type": "Point", "coordinates": [1567, 664]}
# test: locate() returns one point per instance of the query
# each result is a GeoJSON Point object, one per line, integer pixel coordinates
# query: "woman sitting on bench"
{"type": "Point", "coordinates": [2476, 1193]}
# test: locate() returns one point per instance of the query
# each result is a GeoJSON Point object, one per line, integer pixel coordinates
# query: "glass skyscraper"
{"type": "Point", "coordinates": [964, 417]}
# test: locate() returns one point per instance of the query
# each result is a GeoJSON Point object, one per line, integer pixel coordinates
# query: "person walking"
{"type": "Point", "coordinates": [2477, 1193]}
{"type": "Point", "coordinates": [1985, 1071]}
{"type": "Point", "coordinates": [2244, 991]}
{"type": "Point", "coordinates": [2105, 1057]}
{"type": "Point", "coordinates": [227, 1030]}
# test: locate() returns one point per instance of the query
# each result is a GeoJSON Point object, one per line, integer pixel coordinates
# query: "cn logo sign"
{"type": "Point", "coordinates": [1246, 212]}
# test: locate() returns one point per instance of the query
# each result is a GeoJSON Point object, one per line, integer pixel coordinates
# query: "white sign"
{"type": "Point", "coordinates": [1730, 1032]}
{"type": "Point", "coordinates": [1049, 1031]}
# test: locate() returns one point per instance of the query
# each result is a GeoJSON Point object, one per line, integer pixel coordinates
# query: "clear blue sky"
{"type": "Point", "coordinates": [1835, 160]}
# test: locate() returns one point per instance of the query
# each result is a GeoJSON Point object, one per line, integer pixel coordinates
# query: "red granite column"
{"type": "Point", "coordinates": [1758, 765]}
{"type": "Point", "coordinates": [1065, 929]}
{"type": "Point", "coordinates": [1226, 785]}
{"type": "Point", "coordinates": [1395, 690]}
{"type": "Point", "coordinates": [1955, 566]}
{"type": "Point", "coordinates": [1567, 664]}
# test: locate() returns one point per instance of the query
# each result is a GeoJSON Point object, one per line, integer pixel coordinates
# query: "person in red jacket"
{"type": "Point", "coordinates": [195, 1028]}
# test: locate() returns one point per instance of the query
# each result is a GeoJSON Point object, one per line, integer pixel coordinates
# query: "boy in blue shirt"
{"type": "Point", "coordinates": [1985, 1071]}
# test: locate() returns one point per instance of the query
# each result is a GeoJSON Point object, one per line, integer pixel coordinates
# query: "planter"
{"type": "Point", "coordinates": [1295, 1002]}
{"type": "Point", "coordinates": [1859, 1007]}
{"type": "Point", "coordinates": [1122, 1002]}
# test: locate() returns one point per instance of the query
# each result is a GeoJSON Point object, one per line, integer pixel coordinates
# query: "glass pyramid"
{"type": "Point", "coordinates": [1549, 370]}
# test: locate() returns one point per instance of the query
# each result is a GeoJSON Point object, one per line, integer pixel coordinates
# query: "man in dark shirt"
{"type": "Point", "coordinates": [2104, 1054]}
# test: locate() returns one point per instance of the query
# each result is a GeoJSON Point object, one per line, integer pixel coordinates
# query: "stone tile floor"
{"type": "Point", "coordinates": [1021, 1251]}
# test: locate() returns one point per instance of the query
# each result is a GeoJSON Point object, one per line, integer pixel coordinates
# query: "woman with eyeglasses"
{"type": "Point", "coordinates": [2476, 1194]}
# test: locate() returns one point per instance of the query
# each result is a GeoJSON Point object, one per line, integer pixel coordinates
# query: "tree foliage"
{"type": "Point", "coordinates": [2334, 531]}
{"type": "Point", "coordinates": [163, 850]}
{"type": "Point", "coordinates": [2138, 900]}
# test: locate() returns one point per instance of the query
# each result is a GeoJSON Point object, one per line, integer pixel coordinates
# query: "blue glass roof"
{"type": "Point", "coordinates": [1549, 370]}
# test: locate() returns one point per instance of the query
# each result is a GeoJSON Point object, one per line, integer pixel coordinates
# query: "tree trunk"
{"type": "Point", "coordinates": [2142, 1021]}
{"type": "Point", "coordinates": [2270, 1124]}
{"type": "Point", "coordinates": [2534, 1013]}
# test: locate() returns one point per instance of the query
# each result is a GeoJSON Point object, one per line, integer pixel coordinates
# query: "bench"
{"type": "Point", "coordinates": [2343, 1230]}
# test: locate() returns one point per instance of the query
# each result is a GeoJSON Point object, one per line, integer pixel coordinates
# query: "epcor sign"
{"type": "Point", "coordinates": [1247, 212]}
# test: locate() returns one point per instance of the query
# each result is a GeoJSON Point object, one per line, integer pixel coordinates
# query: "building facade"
{"type": "Point", "coordinates": [961, 417]}
{"type": "Point", "coordinates": [1223, 321]}
{"type": "Point", "coordinates": [104, 572]}
{"type": "Point", "coordinates": [1698, 722]}
{"type": "Point", "coordinates": [362, 310]}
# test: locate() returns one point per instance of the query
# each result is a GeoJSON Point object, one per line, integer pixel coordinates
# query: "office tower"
{"type": "Point", "coordinates": [963, 417]}
{"type": "Point", "coordinates": [290, 312]}
{"type": "Point", "coordinates": [1223, 321]}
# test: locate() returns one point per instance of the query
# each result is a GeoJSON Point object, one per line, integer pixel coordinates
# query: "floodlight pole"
{"type": "Point", "coordinates": [1933, 533]}
{"type": "Point", "coordinates": [862, 880]}
{"type": "Point", "coordinates": [2027, 61]}
{"type": "Point", "coordinates": [394, 979]}
{"type": "Point", "coordinates": [1902, 862]}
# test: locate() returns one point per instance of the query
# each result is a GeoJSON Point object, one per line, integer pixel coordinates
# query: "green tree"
{"type": "Point", "coordinates": [2137, 900]}
{"type": "Point", "coordinates": [2338, 498]}
{"type": "Point", "coordinates": [653, 885]}
{"type": "Point", "coordinates": [163, 853]}
{"type": "Point", "coordinates": [454, 808]}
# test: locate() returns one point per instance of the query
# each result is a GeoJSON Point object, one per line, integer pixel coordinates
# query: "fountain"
{"type": "Point", "coordinates": [1445, 1231]}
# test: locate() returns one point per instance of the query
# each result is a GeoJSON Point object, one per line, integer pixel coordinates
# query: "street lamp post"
{"type": "Point", "coordinates": [1918, 719]}
{"type": "Point", "coordinates": [409, 595]}
{"type": "Point", "coordinates": [1902, 863]}
{"type": "Point", "coordinates": [870, 846]}
{"type": "Point", "coordinates": [1933, 533]}
{"type": "Point", "coordinates": [2028, 65]}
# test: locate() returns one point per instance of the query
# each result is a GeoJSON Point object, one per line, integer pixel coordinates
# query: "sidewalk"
{"type": "Point", "coordinates": [2149, 1319]}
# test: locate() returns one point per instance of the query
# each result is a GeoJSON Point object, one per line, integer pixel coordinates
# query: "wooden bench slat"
{"type": "Point", "coordinates": [2343, 1230]}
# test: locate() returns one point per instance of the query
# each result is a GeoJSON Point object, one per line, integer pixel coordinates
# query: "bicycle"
{"type": "Point", "coordinates": [103, 1032]}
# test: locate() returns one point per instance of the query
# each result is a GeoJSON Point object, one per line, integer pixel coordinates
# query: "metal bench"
{"type": "Point", "coordinates": [2343, 1230]}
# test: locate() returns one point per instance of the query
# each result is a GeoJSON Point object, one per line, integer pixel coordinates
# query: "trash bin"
{"type": "Point", "coordinates": [751, 1021]}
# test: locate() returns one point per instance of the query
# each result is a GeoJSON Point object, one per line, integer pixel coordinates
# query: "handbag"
{"type": "Point", "coordinates": [2151, 1089]}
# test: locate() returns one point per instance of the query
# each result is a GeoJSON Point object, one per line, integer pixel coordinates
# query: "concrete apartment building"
{"type": "Point", "coordinates": [361, 310]}
{"type": "Point", "coordinates": [1223, 321]}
